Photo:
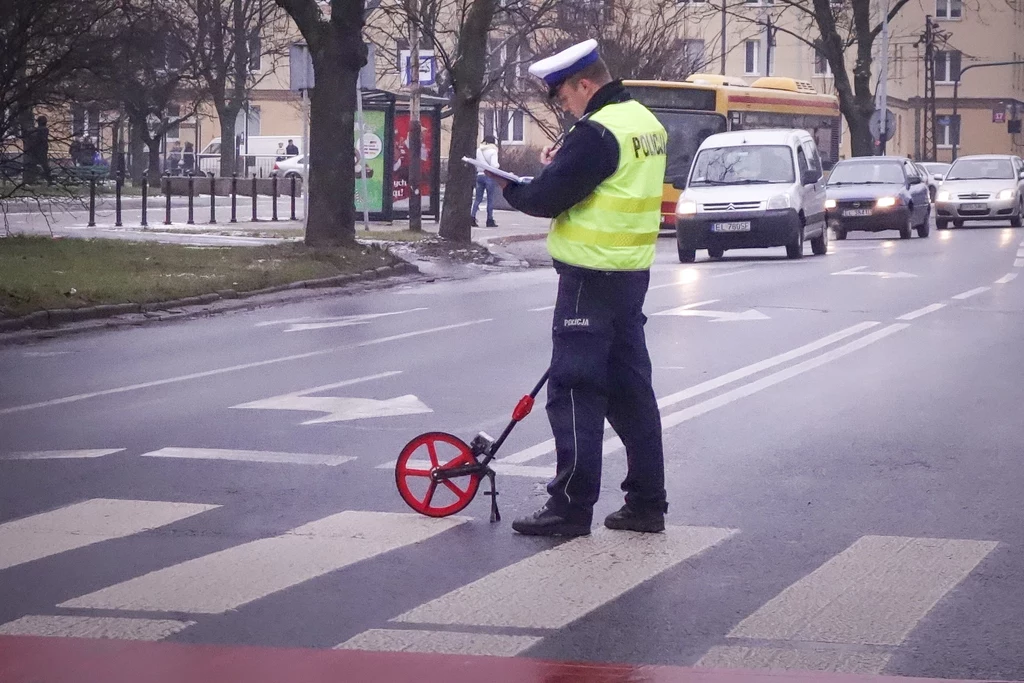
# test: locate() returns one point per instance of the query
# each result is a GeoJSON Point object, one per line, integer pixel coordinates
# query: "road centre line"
{"type": "Point", "coordinates": [548, 446]}
{"type": "Point", "coordinates": [971, 292]}
{"type": "Point", "coordinates": [1009, 277]}
{"type": "Point", "coordinates": [930, 308]}
{"type": "Point", "coordinates": [234, 368]}
{"type": "Point", "coordinates": [673, 419]}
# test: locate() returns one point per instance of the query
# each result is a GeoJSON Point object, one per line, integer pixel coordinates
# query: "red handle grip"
{"type": "Point", "coordinates": [523, 408]}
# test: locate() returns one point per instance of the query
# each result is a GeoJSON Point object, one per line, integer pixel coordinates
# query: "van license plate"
{"type": "Point", "coordinates": [736, 226]}
{"type": "Point", "coordinates": [974, 207]}
{"type": "Point", "coordinates": [857, 212]}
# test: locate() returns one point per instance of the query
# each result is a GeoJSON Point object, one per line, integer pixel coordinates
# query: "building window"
{"type": "Point", "coordinates": [693, 53]}
{"type": "Point", "coordinates": [949, 9]}
{"type": "Point", "coordinates": [821, 65]}
{"type": "Point", "coordinates": [752, 63]}
{"type": "Point", "coordinates": [759, 2]}
{"type": "Point", "coordinates": [255, 53]}
{"type": "Point", "coordinates": [947, 66]}
{"type": "Point", "coordinates": [948, 130]}
{"type": "Point", "coordinates": [505, 125]}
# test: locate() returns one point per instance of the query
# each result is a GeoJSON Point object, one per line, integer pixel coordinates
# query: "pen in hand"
{"type": "Point", "coordinates": [547, 155]}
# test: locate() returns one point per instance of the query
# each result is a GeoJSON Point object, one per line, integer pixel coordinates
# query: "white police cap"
{"type": "Point", "coordinates": [557, 68]}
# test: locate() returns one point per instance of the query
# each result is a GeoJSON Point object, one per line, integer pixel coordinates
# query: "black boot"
{"type": "Point", "coordinates": [546, 522]}
{"type": "Point", "coordinates": [474, 223]}
{"type": "Point", "coordinates": [627, 519]}
{"type": "Point", "coordinates": [491, 223]}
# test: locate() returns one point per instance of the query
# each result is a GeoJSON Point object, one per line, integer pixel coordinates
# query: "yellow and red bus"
{"type": "Point", "coordinates": [706, 104]}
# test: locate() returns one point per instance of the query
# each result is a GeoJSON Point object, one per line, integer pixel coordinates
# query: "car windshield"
{"type": "Point", "coordinates": [862, 173]}
{"type": "Point", "coordinates": [749, 164]}
{"type": "Point", "coordinates": [981, 169]}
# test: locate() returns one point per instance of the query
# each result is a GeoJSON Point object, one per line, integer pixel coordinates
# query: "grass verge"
{"type": "Point", "coordinates": [39, 273]}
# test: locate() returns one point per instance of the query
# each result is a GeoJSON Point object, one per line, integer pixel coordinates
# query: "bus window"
{"type": "Point", "coordinates": [686, 130]}
{"type": "Point", "coordinates": [824, 129]}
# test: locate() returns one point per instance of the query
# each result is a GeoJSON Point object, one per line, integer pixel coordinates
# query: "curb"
{"type": "Point", "coordinates": [47, 322]}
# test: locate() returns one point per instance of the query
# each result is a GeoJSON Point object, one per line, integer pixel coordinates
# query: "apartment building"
{"type": "Point", "coordinates": [967, 33]}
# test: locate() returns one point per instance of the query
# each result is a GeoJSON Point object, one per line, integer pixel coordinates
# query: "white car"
{"type": "Point", "coordinates": [757, 188]}
{"type": "Point", "coordinates": [290, 167]}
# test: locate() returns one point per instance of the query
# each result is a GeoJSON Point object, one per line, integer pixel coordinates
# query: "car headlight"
{"type": "Point", "coordinates": [830, 203]}
{"type": "Point", "coordinates": [779, 201]}
{"type": "Point", "coordinates": [1007, 194]}
{"type": "Point", "coordinates": [885, 202]}
{"type": "Point", "coordinates": [686, 207]}
{"type": "Point", "coordinates": [942, 197]}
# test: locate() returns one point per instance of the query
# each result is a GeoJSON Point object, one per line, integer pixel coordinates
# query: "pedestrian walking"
{"type": "Point", "coordinates": [602, 188]}
{"type": "Point", "coordinates": [487, 153]}
{"type": "Point", "coordinates": [188, 159]}
{"type": "Point", "coordinates": [291, 150]}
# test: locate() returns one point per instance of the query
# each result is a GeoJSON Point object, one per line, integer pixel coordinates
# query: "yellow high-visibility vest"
{"type": "Point", "coordinates": [616, 226]}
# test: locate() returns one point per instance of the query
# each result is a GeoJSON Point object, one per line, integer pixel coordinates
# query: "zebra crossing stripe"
{"type": "Point", "coordinates": [870, 595]}
{"type": "Point", "coordinates": [439, 642]}
{"type": "Point", "coordinates": [85, 523]}
{"type": "Point", "coordinates": [61, 455]}
{"type": "Point", "coordinates": [556, 587]}
{"type": "Point", "coordinates": [118, 628]}
{"type": "Point", "coordinates": [225, 580]}
{"type": "Point", "coordinates": [804, 659]}
{"type": "Point", "coordinates": [250, 456]}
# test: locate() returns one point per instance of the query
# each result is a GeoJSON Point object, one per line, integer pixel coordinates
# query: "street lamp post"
{"type": "Point", "coordinates": [956, 97]}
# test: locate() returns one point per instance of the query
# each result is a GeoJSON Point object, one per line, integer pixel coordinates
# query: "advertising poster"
{"type": "Point", "coordinates": [372, 135]}
{"type": "Point", "coordinates": [400, 176]}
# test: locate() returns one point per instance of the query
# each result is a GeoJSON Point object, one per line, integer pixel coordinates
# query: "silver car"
{"type": "Point", "coordinates": [987, 187]}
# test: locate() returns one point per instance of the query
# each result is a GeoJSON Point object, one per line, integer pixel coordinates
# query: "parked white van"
{"type": "Point", "coordinates": [266, 146]}
{"type": "Point", "coordinates": [756, 188]}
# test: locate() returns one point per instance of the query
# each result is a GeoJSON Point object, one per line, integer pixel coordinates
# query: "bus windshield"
{"type": "Point", "coordinates": [686, 130]}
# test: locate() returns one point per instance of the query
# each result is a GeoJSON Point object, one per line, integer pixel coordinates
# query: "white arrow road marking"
{"type": "Point", "coordinates": [236, 368]}
{"type": "Point", "coordinates": [692, 310]}
{"type": "Point", "coordinates": [860, 270]}
{"type": "Point", "coordinates": [301, 324]}
{"type": "Point", "coordinates": [340, 408]}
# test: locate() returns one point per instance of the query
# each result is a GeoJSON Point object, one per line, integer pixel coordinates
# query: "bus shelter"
{"type": "Point", "coordinates": [385, 138]}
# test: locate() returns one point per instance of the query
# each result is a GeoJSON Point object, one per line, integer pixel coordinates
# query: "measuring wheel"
{"type": "Point", "coordinates": [437, 474]}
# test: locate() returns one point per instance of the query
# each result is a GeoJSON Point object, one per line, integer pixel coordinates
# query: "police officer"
{"type": "Point", "coordinates": [603, 190]}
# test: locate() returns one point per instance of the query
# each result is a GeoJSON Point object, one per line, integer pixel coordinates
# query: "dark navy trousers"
{"type": "Point", "coordinates": [600, 368]}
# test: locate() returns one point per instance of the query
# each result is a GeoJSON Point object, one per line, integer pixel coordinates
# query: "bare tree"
{"type": "Point", "coordinates": [334, 36]}
{"type": "Point", "coordinates": [149, 75]}
{"type": "Point", "coordinates": [234, 41]}
{"type": "Point", "coordinates": [45, 46]}
{"type": "Point", "coordinates": [833, 30]}
{"type": "Point", "coordinates": [637, 39]}
{"type": "Point", "coordinates": [463, 34]}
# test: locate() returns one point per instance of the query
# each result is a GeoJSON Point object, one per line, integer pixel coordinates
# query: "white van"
{"type": "Point", "coordinates": [756, 188]}
{"type": "Point", "coordinates": [259, 146]}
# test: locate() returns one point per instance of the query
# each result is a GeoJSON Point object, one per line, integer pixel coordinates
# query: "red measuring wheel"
{"type": "Point", "coordinates": [417, 469]}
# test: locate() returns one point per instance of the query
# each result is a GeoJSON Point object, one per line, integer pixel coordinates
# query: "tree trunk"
{"type": "Point", "coordinates": [332, 214]}
{"type": "Point", "coordinates": [228, 115]}
{"type": "Point", "coordinates": [154, 157]}
{"type": "Point", "coordinates": [468, 79]}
